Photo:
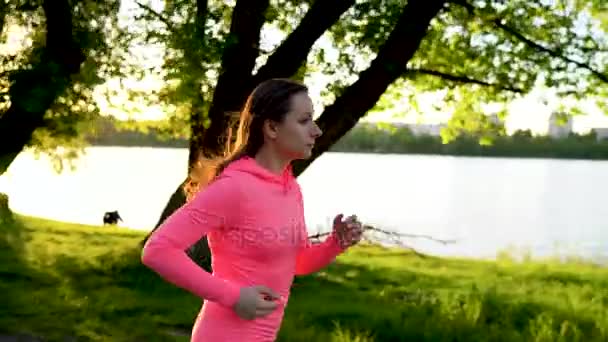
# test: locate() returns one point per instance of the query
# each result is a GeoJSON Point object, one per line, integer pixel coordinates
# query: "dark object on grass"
{"type": "Point", "coordinates": [111, 218]}
{"type": "Point", "coordinates": [6, 216]}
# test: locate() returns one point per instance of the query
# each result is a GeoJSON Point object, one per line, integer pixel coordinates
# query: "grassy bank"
{"type": "Point", "coordinates": [61, 280]}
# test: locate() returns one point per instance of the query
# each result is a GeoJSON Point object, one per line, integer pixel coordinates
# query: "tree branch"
{"type": "Point", "coordinates": [201, 18]}
{"type": "Point", "coordinates": [293, 51]}
{"type": "Point", "coordinates": [462, 79]}
{"type": "Point", "coordinates": [239, 57]}
{"type": "Point", "coordinates": [60, 43]}
{"type": "Point", "coordinates": [157, 15]}
{"type": "Point", "coordinates": [238, 61]}
{"type": "Point", "coordinates": [392, 234]}
{"type": "Point", "coordinates": [35, 89]}
{"type": "Point", "coordinates": [391, 237]}
{"type": "Point", "coordinates": [553, 53]}
{"type": "Point", "coordinates": [389, 64]}
{"type": "Point", "coordinates": [3, 10]}
{"type": "Point", "coordinates": [500, 23]}
{"type": "Point", "coordinates": [194, 59]}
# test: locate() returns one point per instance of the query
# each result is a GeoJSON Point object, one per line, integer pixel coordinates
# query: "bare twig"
{"type": "Point", "coordinates": [462, 79]}
{"type": "Point", "coordinates": [501, 23]}
{"type": "Point", "coordinates": [158, 16]}
{"type": "Point", "coordinates": [405, 235]}
{"type": "Point", "coordinates": [392, 236]}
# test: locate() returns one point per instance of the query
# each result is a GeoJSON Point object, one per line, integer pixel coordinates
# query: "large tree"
{"type": "Point", "coordinates": [473, 53]}
{"type": "Point", "coordinates": [213, 58]}
{"type": "Point", "coordinates": [46, 81]}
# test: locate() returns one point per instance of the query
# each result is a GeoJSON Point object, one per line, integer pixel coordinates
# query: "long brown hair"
{"type": "Point", "coordinates": [270, 100]}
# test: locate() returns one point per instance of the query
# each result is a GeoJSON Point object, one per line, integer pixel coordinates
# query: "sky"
{"type": "Point", "coordinates": [527, 113]}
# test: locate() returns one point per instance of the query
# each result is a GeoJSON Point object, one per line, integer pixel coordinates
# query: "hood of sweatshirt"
{"type": "Point", "coordinates": [249, 165]}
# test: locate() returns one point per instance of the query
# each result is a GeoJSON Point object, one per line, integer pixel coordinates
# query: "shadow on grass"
{"type": "Point", "coordinates": [567, 278]}
{"type": "Point", "coordinates": [345, 302]}
{"type": "Point", "coordinates": [78, 296]}
{"type": "Point", "coordinates": [356, 303]}
{"type": "Point", "coordinates": [130, 301]}
{"type": "Point", "coordinates": [112, 296]}
{"type": "Point", "coordinates": [18, 281]}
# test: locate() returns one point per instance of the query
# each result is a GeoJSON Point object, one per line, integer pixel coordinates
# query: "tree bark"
{"type": "Point", "coordinates": [238, 60]}
{"type": "Point", "coordinates": [177, 199]}
{"type": "Point", "coordinates": [34, 90]}
{"type": "Point", "coordinates": [390, 63]}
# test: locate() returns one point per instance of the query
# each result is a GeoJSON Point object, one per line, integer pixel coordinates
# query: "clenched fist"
{"type": "Point", "coordinates": [256, 301]}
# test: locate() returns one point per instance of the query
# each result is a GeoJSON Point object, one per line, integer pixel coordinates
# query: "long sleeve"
{"type": "Point", "coordinates": [312, 258]}
{"type": "Point", "coordinates": [165, 250]}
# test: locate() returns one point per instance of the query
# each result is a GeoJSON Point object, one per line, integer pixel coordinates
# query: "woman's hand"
{"type": "Point", "coordinates": [349, 231]}
{"type": "Point", "coordinates": [256, 301]}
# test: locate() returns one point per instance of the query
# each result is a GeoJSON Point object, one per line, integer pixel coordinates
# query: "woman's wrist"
{"type": "Point", "coordinates": [231, 296]}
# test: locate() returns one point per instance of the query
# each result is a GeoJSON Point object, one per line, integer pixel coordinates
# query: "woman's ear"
{"type": "Point", "coordinates": [270, 129]}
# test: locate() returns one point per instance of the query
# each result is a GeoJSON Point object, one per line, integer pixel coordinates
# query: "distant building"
{"type": "Point", "coordinates": [493, 118]}
{"type": "Point", "coordinates": [558, 128]}
{"type": "Point", "coordinates": [600, 133]}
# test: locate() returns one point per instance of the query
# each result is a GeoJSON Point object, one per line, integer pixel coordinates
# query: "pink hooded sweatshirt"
{"type": "Point", "coordinates": [254, 222]}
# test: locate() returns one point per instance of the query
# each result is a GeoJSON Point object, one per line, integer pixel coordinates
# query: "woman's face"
{"type": "Point", "coordinates": [295, 136]}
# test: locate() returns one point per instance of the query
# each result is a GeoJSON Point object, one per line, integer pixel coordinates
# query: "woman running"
{"type": "Point", "coordinates": [251, 211]}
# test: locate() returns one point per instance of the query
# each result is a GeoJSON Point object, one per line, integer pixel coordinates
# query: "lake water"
{"type": "Point", "coordinates": [487, 205]}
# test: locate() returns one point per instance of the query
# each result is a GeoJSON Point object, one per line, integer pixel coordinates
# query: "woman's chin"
{"type": "Point", "coordinates": [307, 153]}
{"type": "Point", "coordinates": [303, 155]}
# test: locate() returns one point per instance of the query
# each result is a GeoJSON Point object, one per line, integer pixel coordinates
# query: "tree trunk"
{"type": "Point", "coordinates": [238, 60]}
{"type": "Point", "coordinates": [199, 252]}
{"type": "Point", "coordinates": [177, 199]}
{"type": "Point", "coordinates": [3, 9]}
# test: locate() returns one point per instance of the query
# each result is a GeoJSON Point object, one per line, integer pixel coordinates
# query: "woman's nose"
{"type": "Point", "coordinates": [317, 132]}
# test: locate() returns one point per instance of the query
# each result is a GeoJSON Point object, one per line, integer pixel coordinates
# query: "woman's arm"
{"type": "Point", "coordinates": [165, 250]}
{"type": "Point", "coordinates": [313, 258]}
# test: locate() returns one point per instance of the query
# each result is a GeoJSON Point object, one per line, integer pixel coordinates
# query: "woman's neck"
{"type": "Point", "coordinates": [271, 160]}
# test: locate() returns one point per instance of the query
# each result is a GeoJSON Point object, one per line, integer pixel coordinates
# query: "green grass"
{"type": "Point", "coordinates": [64, 280]}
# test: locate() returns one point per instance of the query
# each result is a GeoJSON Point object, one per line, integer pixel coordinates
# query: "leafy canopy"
{"type": "Point", "coordinates": [477, 54]}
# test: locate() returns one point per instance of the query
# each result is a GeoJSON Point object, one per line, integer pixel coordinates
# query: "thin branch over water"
{"type": "Point", "coordinates": [387, 236]}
